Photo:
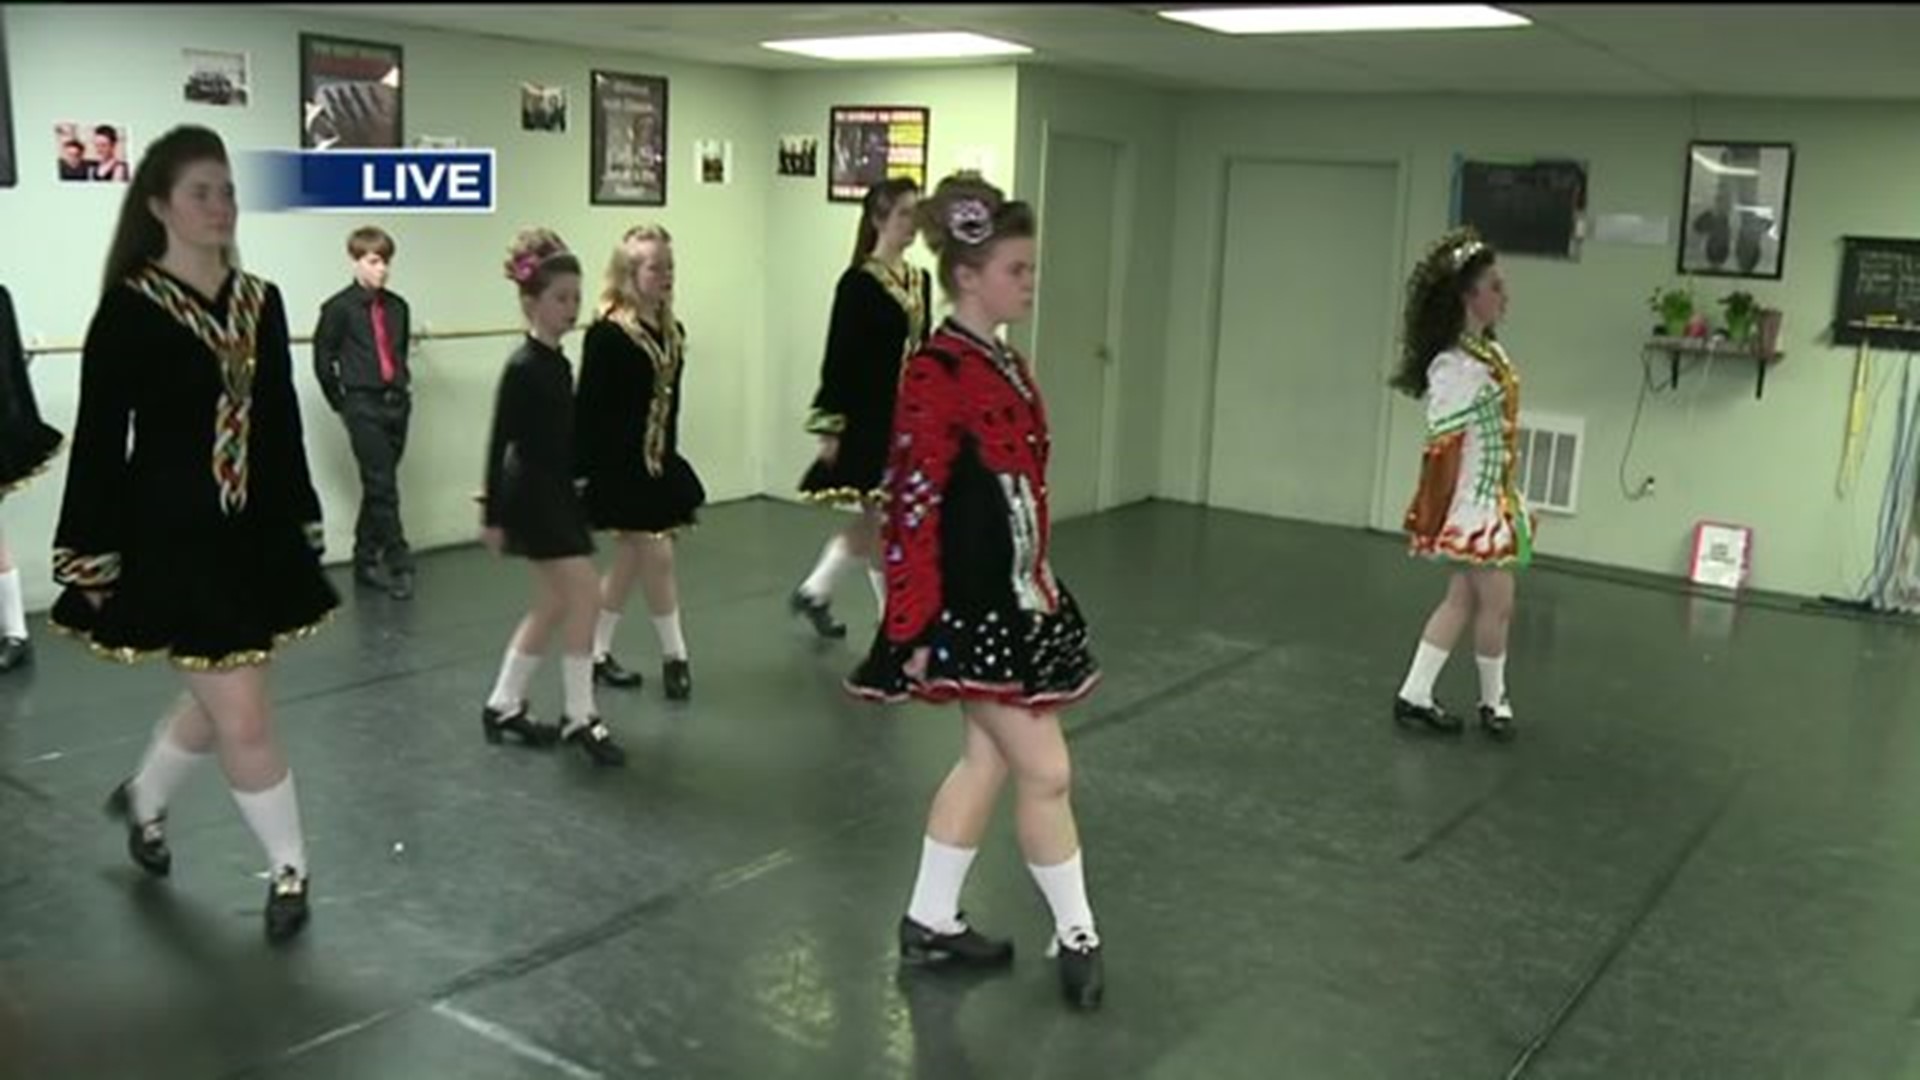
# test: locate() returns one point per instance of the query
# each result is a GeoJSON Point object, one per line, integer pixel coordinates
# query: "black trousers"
{"type": "Point", "coordinates": [377, 427]}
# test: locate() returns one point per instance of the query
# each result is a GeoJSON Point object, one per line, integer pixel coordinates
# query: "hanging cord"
{"type": "Point", "coordinates": [1648, 386]}
{"type": "Point", "coordinates": [1896, 504]}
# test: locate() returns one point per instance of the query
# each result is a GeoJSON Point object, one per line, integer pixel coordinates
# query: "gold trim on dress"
{"type": "Point", "coordinates": [34, 473]}
{"type": "Point", "coordinates": [666, 348]}
{"type": "Point", "coordinates": [846, 496]}
{"type": "Point", "coordinates": [245, 658]}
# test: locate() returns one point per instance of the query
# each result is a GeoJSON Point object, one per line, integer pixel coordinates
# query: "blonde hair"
{"type": "Point", "coordinates": [620, 293]}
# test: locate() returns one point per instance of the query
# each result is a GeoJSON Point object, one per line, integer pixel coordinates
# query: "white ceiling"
{"type": "Point", "coordinates": [1793, 50]}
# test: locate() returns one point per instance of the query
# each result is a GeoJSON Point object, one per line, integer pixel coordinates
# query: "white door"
{"type": "Point", "coordinates": [1306, 310]}
{"type": "Point", "coordinates": [1071, 350]}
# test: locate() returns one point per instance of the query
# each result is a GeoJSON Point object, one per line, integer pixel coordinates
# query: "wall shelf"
{"type": "Point", "coordinates": [1677, 347]}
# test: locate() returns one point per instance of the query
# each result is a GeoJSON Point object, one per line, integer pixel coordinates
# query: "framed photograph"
{"type": "Point", "coordinates": [9, 174]}
{"type": "Point", "coordinates": [215, 78]}
{"type": "Point", "coordinates": [1722, 555]}
{"type": "Point", "coordinates": [1736, 209]}
{"type": "Point", "coordinates": [714, 160]}
{"type": "Point", "coordinates": [871, 143]}
{"type": "Point", "coordinates": [93, 152]}
{"type": "Point", "coordinates": [628, 166]}
{"type": "Point", "coordinates": [543, 108]}
{"type": "Point", "coordinates": [350, 94]}
{"type": "Point", "coordinates": [799, 155]}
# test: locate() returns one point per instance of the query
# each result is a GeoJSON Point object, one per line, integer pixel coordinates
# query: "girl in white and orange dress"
{"type": "Point", "coordinates": [1467, 511]}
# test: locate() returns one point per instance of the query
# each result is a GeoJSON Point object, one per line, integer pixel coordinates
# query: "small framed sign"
{"type": "Point", "coordinates": [1722, 555]}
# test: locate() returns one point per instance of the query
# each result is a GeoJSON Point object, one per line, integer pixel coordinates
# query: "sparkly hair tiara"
{"type": "Point", "coordinates": [1464, 251]}
{"type": "Point", "coordinates": [970, 221]}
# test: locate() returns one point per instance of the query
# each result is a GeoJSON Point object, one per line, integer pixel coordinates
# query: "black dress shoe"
{"type": "Point", "coordinates": [146, 840]}
{"type": "Point", "coordinates": [1498, 726]}
{"type": "Point", "coordinates": [286, 905]}
{"type": "Point", "coordinates": [968, 948]}
{"type": "Point", "coordinates": [608, 672]}
{"type": "Point", "coordinates": [678, 676]}
{"type": "Point", "coordinates": [1431, 718]}
{"type": "Point", "coordinates": [594, 738]}
{"type": "Point", "coordinates": [819, 613]}
{"type": "Point", "coordinates": [15, 652]}
{"type": "Point", "coordinates": [494, 724]}
{"type": "Point", "coordinates": [1083, 977]}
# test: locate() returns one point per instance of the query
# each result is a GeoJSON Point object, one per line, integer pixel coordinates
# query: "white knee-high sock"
{"type": "Point", "coordinates": [162, 771]}
{"type": "Point", "coordinates": [877, 578]}
{"type": "Point", "coordinates": [834, 559]}
{"type": "Point", "coordinates": [516, 671]}
{"type": "Point", "coordinates": [1493, 682]}
{"type": "Point", "coordinates": [603, 631]}
{"type": "Point", "coordinates": [13, 608]}
{"type": "Point", "coordinates": [673, 644]}
{"type": "Point", "coordinates": [274, 816]}
{"type": "Point", "coordinates": [1065, 887]}
{"type": "Point", "coordinates": [576, 674]}
{"type": "Point", "coordinates": [1427, 662]}
{"type": "Point", "coordinates": [936, 890]}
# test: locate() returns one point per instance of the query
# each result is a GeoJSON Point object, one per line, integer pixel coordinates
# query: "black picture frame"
{"type": "Point", "coordinates": [352, 94]}
{"type": "Point", "coordinates": [862, 145]}
{"type": "Point", "coordinates": [9, 164]}
{"type": "Point", "coordinates": [628, 120]}
{"type": "Point", "coordinates": [1734, 219]}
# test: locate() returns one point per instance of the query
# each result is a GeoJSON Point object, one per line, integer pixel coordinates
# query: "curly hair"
{"type": "Point", "coordinates": [1435, 314]}
{"type": "Point", "coordinates": [965, 218]}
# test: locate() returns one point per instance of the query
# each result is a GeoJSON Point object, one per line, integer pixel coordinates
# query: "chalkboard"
{"type": "Point", "coordinates": [1530, 208]}
{"type": "Point", "coordinates": [1879, 280]}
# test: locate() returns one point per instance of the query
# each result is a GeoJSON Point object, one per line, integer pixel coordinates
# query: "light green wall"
{"type": "Point", "coordinates": [809, 241]}
{"type": "Point", "coordinates": [53, 238]}
{"type": "Point", "coordinates": [1141, 121]}
{"type": "Point", "coordinates": [1575, 328]}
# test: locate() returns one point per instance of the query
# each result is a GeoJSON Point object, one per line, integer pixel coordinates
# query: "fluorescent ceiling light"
{"type": "Point", "coordinates": [1347, 18]}
{"type": "Point", "coordinates": [931, 46]}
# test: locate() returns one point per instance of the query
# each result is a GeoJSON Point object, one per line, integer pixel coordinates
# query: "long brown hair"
{"type": "Point", "coordinates": [1436, 310]}
{"type": "Point", "coordinates": [140, 238]}
{"type": "Point", "coordinates": [880, 200]}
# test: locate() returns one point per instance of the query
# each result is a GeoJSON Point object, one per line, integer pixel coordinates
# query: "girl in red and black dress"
{"type": "Point", "coordinates": [27, 447]}
{"type": "Point", "coordinates": [190, 526]}
{"type": "Point", "coordinates": [974, 613]}
{"type": "Point", "coordinates": [880, 316]}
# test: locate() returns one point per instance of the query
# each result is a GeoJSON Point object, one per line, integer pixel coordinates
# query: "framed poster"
{"type": "Point", "coordinates": [1722, 554]}
{"type": "Point", "coordinates": [90, 151]}
{"type": "Point", "coordinates": [9, 174]}
{"type": "Point", "coordinates": [1523, 207]}
{"type": "Point", "coordinates": [628, 165]}
{"type": "Point", "coordinates": [871, 143]}
{"type": "Point", "coordinates": [1736, 209]}
{"type": "Point", "coordinates": [350, 94]}
{"type": "Point", "coordinates": [543, 108]}
{"type": "Point", "coordinates": [799, 155]}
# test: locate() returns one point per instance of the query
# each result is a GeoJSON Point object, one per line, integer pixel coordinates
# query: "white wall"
{"type": "Point", "coordinates": [1576, 328]}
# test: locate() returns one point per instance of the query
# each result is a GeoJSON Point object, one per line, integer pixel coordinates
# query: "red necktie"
{"type": "Point", "coordinates": [380, 342]}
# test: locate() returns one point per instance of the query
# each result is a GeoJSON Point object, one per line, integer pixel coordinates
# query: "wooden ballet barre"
{"type": "Point", "coordinates": [422, 334]}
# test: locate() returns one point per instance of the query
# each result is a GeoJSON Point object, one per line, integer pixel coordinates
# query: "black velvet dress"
{"type": "Point", "coordinates": [879, 319]}
{"type": "Point", "coordinates": [531, 469]}
{"type": "Point", "coordinates": [27, 444]}
{"type": "Point", "coordinates": [629, 409]}
{"type": "Point", "coordinates": [188, 501]}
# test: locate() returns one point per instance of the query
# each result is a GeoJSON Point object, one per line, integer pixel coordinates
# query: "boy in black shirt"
{"type": "Point", "coordinates": [360, 359]}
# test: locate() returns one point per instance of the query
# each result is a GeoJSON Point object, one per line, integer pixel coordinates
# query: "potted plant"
{"type": "Point", "coordinates": [1675, 308]}
{"type": "Point", "coordinates": [1743, 315]}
